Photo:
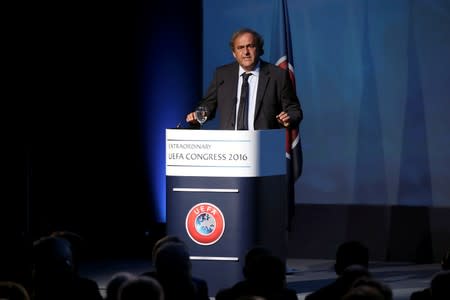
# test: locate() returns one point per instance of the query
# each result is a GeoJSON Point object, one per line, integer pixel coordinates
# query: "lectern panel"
{"type": "Point", "coordinates": [221, 206]}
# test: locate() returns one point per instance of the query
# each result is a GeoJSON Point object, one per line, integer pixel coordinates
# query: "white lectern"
{"type": "Point", "coordinates": [226, 192]}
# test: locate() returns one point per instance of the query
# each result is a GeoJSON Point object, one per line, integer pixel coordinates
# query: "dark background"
{"type": "Point", "coordinates": [76, 159]}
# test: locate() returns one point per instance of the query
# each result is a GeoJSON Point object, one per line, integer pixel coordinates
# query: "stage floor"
{"type": "Point", "coordinates": [305, 275]}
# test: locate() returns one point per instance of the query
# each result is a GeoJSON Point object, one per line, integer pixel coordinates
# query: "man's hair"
{"type": "Point", "coordinates": [159, 243]}
{"type": "Point", "coordinates": [259, 41]}
{"type": "Point", "coordinates": [52, 253]}
{"type": "Point", "coordinates": [13, 290]}
{"type": "Point", "coordinates": [367, 284]}
{"type": "Point", "coordinates": [114, 284]}
{"type": "Point", "coordinates": [141, 288]}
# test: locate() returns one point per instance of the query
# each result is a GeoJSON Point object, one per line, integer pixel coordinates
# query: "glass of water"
{"type": "Point", "coordinates": [201, 114]}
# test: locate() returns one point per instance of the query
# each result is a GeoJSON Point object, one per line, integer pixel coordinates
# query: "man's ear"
{"type": "Point", "coordinates": [234, 55]}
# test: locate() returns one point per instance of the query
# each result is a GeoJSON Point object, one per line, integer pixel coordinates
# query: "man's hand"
{"type": "Point", "coordinates": [284, 119]}
{"type": "Point", "coordinates": [190, 118]}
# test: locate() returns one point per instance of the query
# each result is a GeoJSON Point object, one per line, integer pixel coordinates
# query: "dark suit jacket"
{"type": "Point", "coordinates": [275, 94]}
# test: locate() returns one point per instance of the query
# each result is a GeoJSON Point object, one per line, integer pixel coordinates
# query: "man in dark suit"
{"type": "Point", "coordinates": [270, 100]}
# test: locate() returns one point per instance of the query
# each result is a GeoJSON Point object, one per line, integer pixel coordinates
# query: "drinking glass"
{"type": "Point", "coordinates": [201, 114]}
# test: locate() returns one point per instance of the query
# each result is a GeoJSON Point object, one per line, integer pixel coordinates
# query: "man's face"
{"type": "Point", "coordinates": [245, 51]}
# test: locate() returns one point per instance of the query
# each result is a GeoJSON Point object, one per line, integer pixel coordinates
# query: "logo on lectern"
{"type": "Point", "coordinates": [205, 223]}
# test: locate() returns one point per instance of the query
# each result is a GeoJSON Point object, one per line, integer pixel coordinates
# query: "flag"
{"type": "Point", "coordinates": [281, 55]}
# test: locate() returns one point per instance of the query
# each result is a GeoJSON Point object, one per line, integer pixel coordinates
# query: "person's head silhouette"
{"type": "Point", "coordinates": [351, 253]}
{"type": "Point", "coordinates": [251, 258]}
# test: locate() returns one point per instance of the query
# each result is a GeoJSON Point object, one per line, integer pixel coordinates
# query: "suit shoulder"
{"type": "Point", "coordinates": [265, 64]}
{"type": "Point", "coordinates": [227, 67]}
{"type": "Point", "coordinates": [226, 71]}
{"type": "Point", "coordinates": [270, 68]}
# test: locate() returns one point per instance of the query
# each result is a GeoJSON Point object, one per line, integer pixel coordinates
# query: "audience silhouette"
{"type": "Point", "coordinates": [141, 288]}
{"type": "Point", "coordinates": [440, 286]}
{"type": "Point", "coordinates": [363, 293]}
{"type": "Point", "coordinates": [114, 284]}
{"type": "Point", "coordinates": [54, 275]}
{"type": "Point", "coordinates": [13, 291]}
{"type": "Point", "coordinates": [162, 241]}
{"type": "Point", "coordinates": [426, 294]}
{"type": "Point", "coordinates": [368, 289]}
{"type": "Point", "coordinates": [77, 246]}
{"type": "Point", "coordinates": [352, 262]}
{"type": "Point", "coordinates": [173, 270]}
{"type": "Point", "coordinates": [251, 259]}
{"type": "Point", "coordinates": [264, 277]}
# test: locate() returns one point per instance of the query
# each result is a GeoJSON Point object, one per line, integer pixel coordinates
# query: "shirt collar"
{"type": "Point", "coordinates": [255, 71]}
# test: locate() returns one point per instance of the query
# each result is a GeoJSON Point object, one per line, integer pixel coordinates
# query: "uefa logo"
{"type": "Point", "coordinates": [205, 224]}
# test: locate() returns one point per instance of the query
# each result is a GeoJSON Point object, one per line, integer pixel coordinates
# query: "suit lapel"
{"type": "Point", "coordinates": [234, 74]}
{"type": "Point", "coordinates": [262, 85]}
{"type": "Point", "coordinates": [230, 78]}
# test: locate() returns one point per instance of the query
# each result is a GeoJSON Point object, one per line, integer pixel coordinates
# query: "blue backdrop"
{"type": "Point", "coordinates": [374, 82]}
{"type": "Point", "coordinates": [169, 70]}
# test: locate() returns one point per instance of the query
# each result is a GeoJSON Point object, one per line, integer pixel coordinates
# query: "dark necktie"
{"type": "Point", "coordinates": [242, 120]}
